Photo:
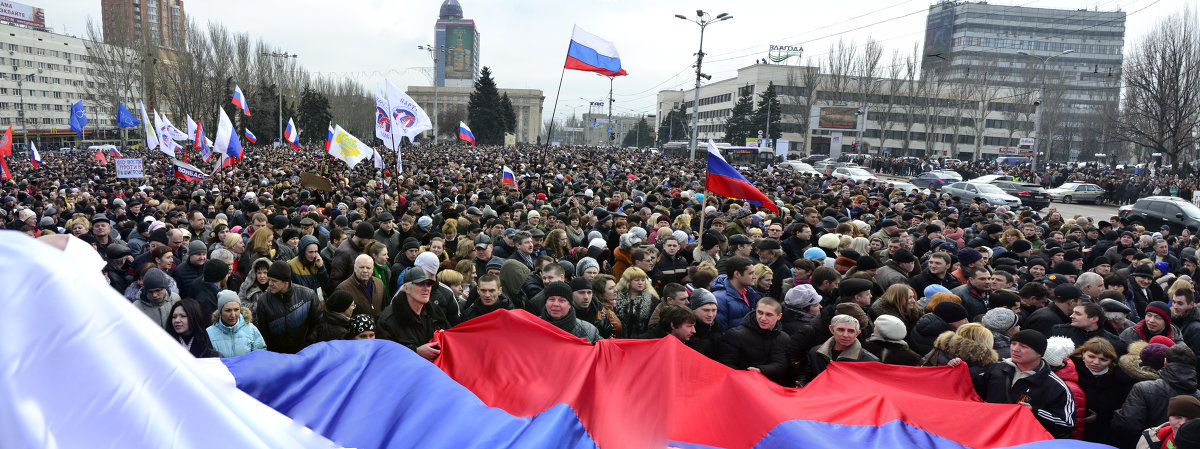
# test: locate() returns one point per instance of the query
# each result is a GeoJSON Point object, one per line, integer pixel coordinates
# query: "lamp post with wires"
{"type": "Point", "coordinates": [703, 19]}
{"type": "Point", "coordinates": [279, 56]}
{"type": "Point", "coordinates": [433, 53]}
{"type": "Point", "coordinates": [1037, 126]}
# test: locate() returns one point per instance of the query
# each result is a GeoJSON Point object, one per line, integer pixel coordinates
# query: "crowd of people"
{"type": "Point", "coordinates": [1087, 321]}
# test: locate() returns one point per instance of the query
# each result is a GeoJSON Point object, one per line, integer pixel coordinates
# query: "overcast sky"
{"type": "Point", "coordinates": [525, 41]}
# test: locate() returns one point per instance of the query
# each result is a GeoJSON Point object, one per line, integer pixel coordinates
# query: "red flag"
{"type": "Point", "coordinates": [100, 157]}
{"type": "Point", "coordinates": [6, 143]}
{"type": "Point", "coordinates": [5, 175]}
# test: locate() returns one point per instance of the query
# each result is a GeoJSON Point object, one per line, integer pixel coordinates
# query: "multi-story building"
{"type": "Point", "coordinates": [452, 105]}
{"type": "Point", "coordinates": [131, 23]}
{"type": "Point", "coordinates": [41, 75]}
{"type": "Point", "coordinates": [596, 128]}
{"type": "Point", "coordinates": [903, 117]}
{"type": "Point", "coordinates": [457, 43]}
{"type": "Point", "coordinates": [1076, 54]}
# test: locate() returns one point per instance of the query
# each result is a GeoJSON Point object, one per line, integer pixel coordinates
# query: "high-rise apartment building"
{"type": "Point", "coordinates": [457, 42]}
{"type": "Point", "coordinates": [158, 23]}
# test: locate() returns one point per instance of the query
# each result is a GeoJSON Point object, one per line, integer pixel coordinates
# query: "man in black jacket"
{"type": "Point", "coordinates": [759, 343]}
{"type": "Point", "coordinates": [1027, 380]}
{"type": "Point", "coordinates": [408, 321]}
{"type": "Point", "coordinates": [285, 311]}
{"type": "Point", "coordinates": [1057, 312]}
{"type": "Point", "coordinates": [1147, 402]}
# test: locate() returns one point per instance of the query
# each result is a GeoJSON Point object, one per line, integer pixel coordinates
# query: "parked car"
{"type": "Point", "coordinates": [858, 175]}
{"type": "Point", "coordinates": [825, 167]}
{"type": "Point", "coordinates": [988, 179]}
{"type": "Point", "coordinates": [1155, 211]}
{"type": "Point", "coordinates": [798, 166]}
{"type": "Point", "coordinates": [1076, 191]}
{"type": "Point", "coordinates": [813, 159]}
{"type": "Point", "coordinates": [1031, 195]}
{"type": "Point", "coordinates": [969, 191]}
{"type": "Point", "coordinates": [906, 187]}
{"type": "Point", "coordinates": [935, 179]}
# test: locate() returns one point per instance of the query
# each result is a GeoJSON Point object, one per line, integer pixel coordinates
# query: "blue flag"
{"type": "Point", "coordinates": [126, 119]}
{"type": "Point", "coordinates": [78, 118]}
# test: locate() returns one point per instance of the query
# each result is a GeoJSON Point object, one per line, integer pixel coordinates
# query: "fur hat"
{"type": "Point", "coordinates": [890, 328]}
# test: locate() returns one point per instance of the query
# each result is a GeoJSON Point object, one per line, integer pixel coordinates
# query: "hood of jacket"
{"type": "Point", "coordinates": [968, 350]}
{"type": "Point", "coordinates": [930, 325]}
{"type": "Point", "coordinates": [1180, 376]}
{"type": "Point", "coordinates": [1131, 364]}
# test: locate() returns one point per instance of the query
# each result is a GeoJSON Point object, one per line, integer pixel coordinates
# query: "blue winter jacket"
{"type": "Point", "coordinates": [730, 306]}
{"type": "Point", "coordinates": [232, 341]}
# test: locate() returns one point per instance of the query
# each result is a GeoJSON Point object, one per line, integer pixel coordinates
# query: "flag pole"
{"type": "Point", "coordinates": [557, 94]}
{"type": "Point", "coordinates": [702, 209]}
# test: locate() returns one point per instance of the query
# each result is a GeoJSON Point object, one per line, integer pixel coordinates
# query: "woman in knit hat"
{"type": "Point", "coordinates": [887, 342]}
{"type": "Point", "coordinates": [1058, 350]}
{"type": "Point", "coordinates": [231, 333]}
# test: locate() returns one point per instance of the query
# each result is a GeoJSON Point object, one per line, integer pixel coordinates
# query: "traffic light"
{"type": "Point", "coordinates": [612, 136]}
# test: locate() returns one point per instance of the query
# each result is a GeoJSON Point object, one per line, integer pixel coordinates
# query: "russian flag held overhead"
{"type": "Point", "coordinates": [239, 100]}
{"type": "Point", "coordinates": [34, 156]}
{"type": "Point", "coordinates": [590, 53]}
{"type": "Point", "coordinates": [724, 180]}
{"type": "Point", "coordinates": [291, 136]}
{"type": "Point", "coordinates": [507, 177]}
{"type": "Point", "coordinates": [227, 145]}
{"type": "Point", "coordinates": [250, 137]}
{"type": "Point", "coordinates": [464, 133]}
{"type": "Point", "coordinates": [112, 149]}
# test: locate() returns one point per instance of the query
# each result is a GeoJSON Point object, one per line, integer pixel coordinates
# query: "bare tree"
{"type": "Point", "coordinates": [915, 86]}
{"type": "Point", "coordinates": [893, 87]}
{"type": "Point", "coordinates": [867, 71]}
{"type": "Point", "coordinates": [117, 69]}
{"type": "Point", "coordinates": [985, 89]}
{"type": "Point", "coordinates": [841, 65]}
{"type": "Point", "coordinates": [812, 79]}
{"type": "Point", "coordinates": [1162, 89]}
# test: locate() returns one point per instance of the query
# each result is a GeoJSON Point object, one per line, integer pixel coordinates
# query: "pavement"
{"type": "Point", "coordinates": [1067, 210]}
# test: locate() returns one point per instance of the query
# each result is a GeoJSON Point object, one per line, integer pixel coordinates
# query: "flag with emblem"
{"type": "Point", "coordinates": [408, 119]}
{"type": "Point", "coordinates": [348, 148]}
{"type": "Point", "coordinates": [6, 143]}
{"type": "Point", "coordinates": [78, 118]}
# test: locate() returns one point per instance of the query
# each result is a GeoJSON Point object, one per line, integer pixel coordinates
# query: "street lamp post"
{"type": "Point", "coordinates": [279, 85]}
{"type": "Point", "coordinates": [702, 19]}
{"type": "Point", "coordinates": [1037, 126]}
{"type": "Point", "coordinates": [433, 53]}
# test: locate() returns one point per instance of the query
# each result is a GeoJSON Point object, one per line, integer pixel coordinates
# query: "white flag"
{"type": "Point", "coordinates": [164, 143]}
{"type": "Point", "coordinates": [383, 121]}
{"type": "Point", "coordinates": [347, 147]}
{"type": "Point", "coordinates": [378, 158]}
{"type": "Point", "coordinates": [227, 144]}
{"type": "Point", "coordinates": [148, 128]}
{"type": "Point", "coordinates": [408, 119]}
{"type": "Point", "coordinates": [176, 134]}
{"type": "Point", "coordinates": [191, 130]}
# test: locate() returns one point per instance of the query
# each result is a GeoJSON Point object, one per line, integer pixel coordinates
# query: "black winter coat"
{"type": "Point", "coordinates": [1053, 405]}
{"type": "Point", "coordinates": [1044, 319]}
{"type": "Point", "coordinates": [185, 275]}
{"type": "Point", "coordinates": [925, 279]}
{"type": "Point", "coordinates": [477, 309]}
{"type": "Point", "coordinates": [285, 319]}
{"type": "Point", "coordinates": [1104, 394]}
{"type": "Point", "coordinates": [1079, 336]}
{"type": "Point", "coordinates": [927, 330]}
{"type": "Point", "coordinates": [1146, 404]}
{"type": "Point", "coordinates": [331, 326]}
{"type": "Point", "coordinates": [707, 339]}
{"type": "Point", "coordinates": [400, 324]}
{"type": "Point", "coordinates": [748, 345]}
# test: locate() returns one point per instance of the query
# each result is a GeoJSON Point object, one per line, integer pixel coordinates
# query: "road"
{"type": "Point", "coordinates": [1067, 210]}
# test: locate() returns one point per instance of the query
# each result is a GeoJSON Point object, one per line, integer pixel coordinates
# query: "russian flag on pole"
{"type": "Point", "coordinates": [250, 137]}
{"type": "Point", "coordinates": [228, 146]}
{"type": "Point", "coordinates": [291, 136]}
{"type": "Point", "coordinates": [507, 177]}
{"type": "Point", "coordinates": [35, 157]}
{"type": "Point", "coordinates": [724, 180]}
{"type": "Point", "coordinates": [464, 133]}
{"type": "Point", "coordinates": [590, 53]}
{"type": "Point", "coordinates": [112, 149]}
{"type": "Point", "coordinates": [329, 137]}
{"type": "Point", "coordinates": [239, 100]}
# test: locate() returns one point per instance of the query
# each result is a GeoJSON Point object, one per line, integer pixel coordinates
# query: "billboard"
{"type": "Point", "coordinates": [23, 14]}
{"type": "Point", "coordinates": [939, 37]}
{"type": "Point", "coordinates": [838, 118]}
{"type": "Point", "coordinates": [460, 52]}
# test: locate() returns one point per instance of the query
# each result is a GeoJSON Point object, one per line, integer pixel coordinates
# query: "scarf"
{"type": "Point", "coordinates": [566, 323]}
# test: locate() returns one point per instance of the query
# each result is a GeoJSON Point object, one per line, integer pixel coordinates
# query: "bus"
{"type": "Point", "coordinates": [736, 156]}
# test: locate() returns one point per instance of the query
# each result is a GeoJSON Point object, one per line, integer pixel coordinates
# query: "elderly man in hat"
{"type": "Point", "coordinates": [285, 311]}
{"type": "Point", "coordinates": [409, 320]}
{"type": "Point", "coordinates": [1026, 379]}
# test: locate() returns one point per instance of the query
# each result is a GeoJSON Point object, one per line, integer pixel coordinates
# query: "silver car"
{"type": "Point", "coordinates": [968, 191]}
{"type": "Point", "coordinates": [1075, 192]}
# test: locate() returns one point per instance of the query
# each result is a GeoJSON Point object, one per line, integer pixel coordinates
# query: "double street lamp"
{"type": "Point", "coordinates": [703, 19]}
{"type": "Point", "coordinates": [279, 56]}
{"type": "Point", "coordinates": [433, 53]}
{"type": "Point", "coordinates": [1037, 126]}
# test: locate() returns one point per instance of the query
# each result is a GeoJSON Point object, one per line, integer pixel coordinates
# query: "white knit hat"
{"type": "Point", "coordinates": [890, 327]}
{"type": "Point", "coordinates": [1058, 349]}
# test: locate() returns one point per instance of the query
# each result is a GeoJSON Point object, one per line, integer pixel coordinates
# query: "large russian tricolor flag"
{"type": "Point", "coordinates": [725, 180]}
{"type": "Point", "coordinates": [507, 177]}
{"type": "Point", "coordinates": [35, 157]}
{"type": "Point", "coordinates": [590, 53]}
{"type": "Point", "coordinates": [291, 136]}
{"type": "Point", "coordinates": [506, 380]}
{"type": "Point", "coordinates": [464, 133]}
